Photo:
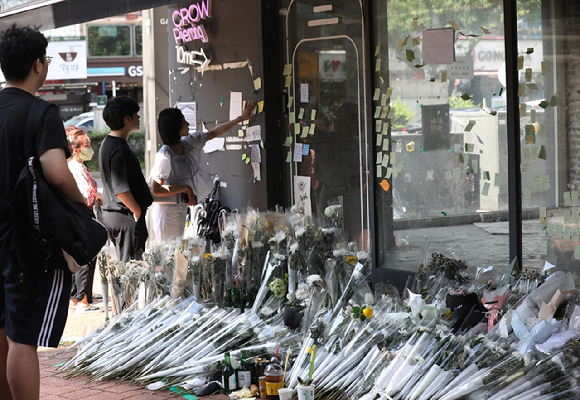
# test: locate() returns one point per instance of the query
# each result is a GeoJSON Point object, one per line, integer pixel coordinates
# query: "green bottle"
{"type": "Point", "coordinates": [228, 375]}
{"type": "Point", "coordinates": [243, 374]}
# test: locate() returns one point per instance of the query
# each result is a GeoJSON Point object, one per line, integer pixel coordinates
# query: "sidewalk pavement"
{"type": "Point", "coordinates": [54, 385]}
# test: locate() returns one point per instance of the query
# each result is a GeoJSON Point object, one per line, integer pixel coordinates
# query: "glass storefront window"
{"type": "Point", "coordinates": [109, 40]}
{"type": "Point", "coordinates": [138, 40]}
{"type": "Point", "coordinates": [440, 132]}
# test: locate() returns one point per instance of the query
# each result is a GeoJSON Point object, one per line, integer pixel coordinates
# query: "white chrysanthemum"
{"type": "Point", "coordinates": [280, 236]}
{"type": "Point", "coordinates": [339, 253]}
{"type": "Point", "coordinates": [257, 245]}
{"type": "Point", "coordinates": [299, 232]}
{"type": "Point", "coordinates": [279, 256]}
{"type": "Point", "coordinates": [331, 210]}
{"type": "Point", "coordinates": [369, 298]}
{"type": "Point", "coordinates": [266, 311]}
{"type": "Point", "coordinates": [362, 255]}
{"type": "Point", "coordinates": [302, 292]}
{"type": "Point", "coordinates": [220, 253]}
{"type": "Point", "coordinates": [293, 248]}
{"type": "Point", "coordinates": [313, 278]}
{"type": "Point", "coordinates": [195, 259]}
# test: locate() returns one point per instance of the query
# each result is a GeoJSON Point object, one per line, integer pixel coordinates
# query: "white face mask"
{"type": "Point", "coordinates": [86, 154]}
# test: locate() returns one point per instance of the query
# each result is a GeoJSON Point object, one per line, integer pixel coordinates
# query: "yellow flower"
{"type": "Point", "coordinates": [448, 313]}
{"type": "Point", "coordinates": [207, 256]}
{"type": "Point", "coordinates": [368, 312]}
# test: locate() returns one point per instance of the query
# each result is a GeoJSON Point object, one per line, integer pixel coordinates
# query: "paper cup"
{"type": "Point", "coordinates": [285, 393]}
{"type": "Point", "coordinates": [305, 392]}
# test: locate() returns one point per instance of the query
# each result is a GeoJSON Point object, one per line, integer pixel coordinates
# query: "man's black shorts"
{"type": "Point", "coordinates": [36, 319]}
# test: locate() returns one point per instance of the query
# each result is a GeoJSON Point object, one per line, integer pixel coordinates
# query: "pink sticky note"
{"type": "Point", "coordinates": [438, 46]}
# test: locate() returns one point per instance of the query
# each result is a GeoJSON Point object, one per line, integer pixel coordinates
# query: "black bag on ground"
{"type": "Point", "coordinates": [44, 220]}
{"type": "Point", "coordinates": [208, 223]}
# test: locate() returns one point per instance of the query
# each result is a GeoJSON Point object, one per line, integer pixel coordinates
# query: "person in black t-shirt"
{"type": "Point", "coordinates": [34, 305]}
{"type": "Point", "coordinates": [126, 195]}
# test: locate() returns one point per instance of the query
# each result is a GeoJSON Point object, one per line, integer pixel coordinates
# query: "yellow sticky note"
{"type": "Point", "coordinates": [243, 157]}
{"type": "Point", "coordinates": [485, 30]}
{"type": "Point", "coordinates": [378, 126]}
{"type": "Point", "coordinates": [379, 158]}
{"type": "Point", "coordinates": [260, 106]}
{"type": "Point", "coordinates": [378, 65]}
{"type": "Point", "coordinates": [416, 41]}
{"type": "Point", "coordinates": [289, 157]}
{"type": "Point", "coordinates": [257, 83]}
{"type": "Point", "coordinates": [520, 62]}
{"type": "Point", "coordinates": [297, 127]}
{"type": "Point", "coordinates": [533, 116]}
{"type": "Point", "coordinates": [528, 75]}
{"type": "Point", "coordinates": [389, 91]}
{"type": "Point", "coordinates": [313, 115]}
{"type": "Point", "coordinates": [288, 141]}
{"type": "Point", "coordinates": [287, 69]}
{"type": "Point", "coordinates": [377, 112]}
{"type": "Point", "coordinates": [288, 81]}
{"type": "Point", "coordinates": [292, 117]}
{"type": "Point", "coordinates": [240, 133]}
{"type": "Point", "coordinates": [301, 114]}
{"type": "Point", "coordinates": [444, 76]}
{"type": "Point", "coordinates": [377, 49]}
{"type": "Point", "coordinates": [544, 68]}
{"type": "Point", "coordinates": [521, 89]}
{"type": "Point", "coordinates": [554, 100]}
{"type": "Point", "coordinates": [523, 111]}
{"type": "Point", "coordinates": [290, 101]}
{"type": "Point", "coordinates": [415, 24]}
{"type": "Point", "coordinates": [384, 99]}
{"type": "Point", "coordinates": [379, 140]}
{"type": "Point", "coordinates": [304, 132]}
{"type": "Point", "coordinates": [454, 25]}
{"type": "Point", "coordinates": [377, 94]}
{"type": "Point", "coordinates": [312, 128]}
{"type": "Point", "coordinates": [261, 143]}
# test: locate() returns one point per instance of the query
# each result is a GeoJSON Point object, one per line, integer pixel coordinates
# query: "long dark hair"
{"type": "Point", "coordinates": [169, 123]}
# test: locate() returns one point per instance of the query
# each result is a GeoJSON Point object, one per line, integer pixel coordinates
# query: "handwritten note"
{"type": "Point", "coordinates": [235, 105]}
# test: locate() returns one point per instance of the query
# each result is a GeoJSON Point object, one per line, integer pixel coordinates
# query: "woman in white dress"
{"type": "Point", "coordinates": [177, 174]}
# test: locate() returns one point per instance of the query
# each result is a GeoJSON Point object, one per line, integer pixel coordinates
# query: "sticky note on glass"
{"type": "Point", "coordinates": [312, 128]}
{"type": "Point", "coordinates": [378, 112]}
{"type": "Point", "coordinates": [377, 49]}
{"type": "Point", "coordinates": [474, 166]}
{"type": "Point", "coordinates": [410, 55]}
{"type": "Point", "coordinates": [297, 128]}
{"type": "Point", "coordinates": [486, 175]}
{"type": "Point", "coordinates": [301, 114]}
{"type": "Point", "coordinates": [444, 76]}
{"type": "Point", "coordinates": [312, 115]}
{"type": "Point", "coordinates": [288, 141]}
{"type": "Point", "coordinates": [575, 217]}
{"type": "Point", "coordinates": [292, 117]}
{"type": "Point", "coordinates": [260, 106]}
{"type": "Point", "coordinates": [554, 100]}
{"type": "Point", "coordinates": [389, 172]}
{"type": "Point", "coordinates": [384, 99]}
{"type": "Point", "coordinates": [521, 89]}
{"type": "Point", "coordinates": [546, 182]}
{"type": "Point", "coordinates": [379, 140]}
{"type": "Point", "coordinates": [304, 132]}
{"type": "Point", "coordinates": [410, 146]}
{"type": "Point", "coordinates": [527, 195]}
{"type": "Point", "coordinates": [287, 69]}
{"type": "Point", "coordinates": [577, 252]}
{"type": "Point", "coordinates": [485, 190]}
{"type": "Point", "coordinates": [532, 86]}
{"type": "Point", "coordinates": [543, 154]}
{"type": "Point", "coordinates": [567, 216]}
{"type": "Point", "coordinates": [243, 157]}
{"type": "Point", "coordinates": [574, 198]}
{"type": "Point", "coordinates": [416, 41]}
{"type": "Point", "coordinates": [257, 83]}
{"type": "Point", "coordinates": [288, 81]}
{"type": "Point", "coordinates": [537, 179]}
{"type": "Point", "coordinates": [378, 126]}
{"type": "Point", "coordinates": [297, 152]}
{"type": "Point", "coordinates": [379, 157]}
{"type": "Point", "coordinates": [460, 158]}
{"type": "Point", "coordinates": [543, 131]}
{"type": "Point", "coordinates": [551, 229]}
{"type": "Point", "coordinates": [379, 171]}
{"type": "Point", "coordinates": [469, 126]}
{"type": "Point", "coordinates": [533, 116]}
{"type": "Point", "coordinates": [378, 65]}
{"type": "Point", "coordinates": [377, 94]}
{"type": "Point", "coordinates": [544, 247]}
{"type": "Point", "coordinates": [528, 75]}
{"type": "Point", "coordinates": [575, 235]}
{"type": "Point", "coordinates": [385, 145]}
{"type": "Point", "coordinates": [469, 147]}
{"type": "Point", "coordinates": [385, 162]}
{"type": "Point", "coordinates": [527, 154]}
{"type": "Point", "coordinates": [567, 199]}
{"type": "Point", "coordinates": [389, 91]}
{"type": "Point", "coordinates": [385, 128]}
{"type": "Point", "coordinates": [454, 25]}
{"type": "Point", "coordinates": [544, 68]}
{"type": "Point", "coordinates": [289, 157]}
{"type": "Point", "coordinates": [523, 110]}
{"type": "Point", "coordinates": [385, 112]}
{"type": "Point", "coordinates": [524, 167]}
{"type": "Point", "coordinates": [520, 63]}
{"type": "Point", "coordinates": [456, 173]}
{"type": "Point", "coordinates": [290, 101]}
{"type": "Point", "coordinates": [543, 212]}
{"type": "Point", "coordinates": [385, 185]}
{"type": "Point", "coordinates": [497, 179]}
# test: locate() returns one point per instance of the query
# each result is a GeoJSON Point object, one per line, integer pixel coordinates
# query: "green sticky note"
{"type": "Point", "coordinates": [520, 62]}
{"type": "Point", "coordinates": [410, 55]}
{"type": "Point", "coordinates": [379, 140]}
{"type": "Point", "coordinates": [297, 128]}
{"type": "Point", "coordinates": [528, 75]}
{"type": "Point", "coordinates": [389, 172]}
{"type": "Point", "coordinates": [567, 199]}
{"type": "Point", "coordinates": [460, 158]}
{"type": "Point", "coordinates": [304, 132]}
{"type": "Point", "coordinates": [379, 171]}
{"type": "Point", "coordinates": [377, 112]}
{"type": "Point", "coordinates": [567, 217]}
{"type": "Point", "coordinates": [544, 104]}
{"type": "Point", "coordinates": [289, 157]}
{"type": "Point", "coordinates": [537, 179]}
{"type": "Point", "coordinates": [559, 231]}
{"type": "Point", "coordinates": [385, 112]}
{"type": "Point", "coordinates": [288, 81]}
{"type": "Point", "coordinates": [554, 100]}
{"type": "Point", "coordinates": [466, 97]}
{"type": "Point", "coordinates": [240, 133]}
{"type": "Point", "coordinates": [287, 69]}
{"type": "Point", "coordinates": [377, 94]}
{"type": "Point", "coordinates": [574, 198]}
{"type": "Point", "coordinates": [288, 141]}
{"type": "Point", "coordinates": [385, 162]}
{"type": "Point", "coordinates": [247, 160]}
{"type": "Point", "coordinates": [485, 190]}
{"type": "Point", "coordinates": [527, 154]}
{"type": "Point", "coordinates": [521, 89]}
{"type": "Point", "coordinates": [312, 129]}
{"type": "Point", "coordinates": [292, 117]}
{"type": "Point", "coordinates": [527, 195]}
{"type": "Point", "coordinates": [497, 179]}
{"type": "Point", "coordinates": [575, 217]}
{"type": "Point", "coordinates": [543, 248]}
{"type": "Point", "coordinates": [577, 252]}
{"type": "Point", "coordinates": [384, 99]}
{"type": "Point", "coordinates": [385, 128]}
{"type": "Point", "coordinates": [379, 157]}
{"type": "Point", "coordinates": [486, 175]}
{"type": "Point", "coordinates": [385, 145]}
{"type": "Point", "coordinates": [456, 173]}
{"type": "Point", "coordinates": [533, 116]}
{"type": "Point", "coordinates": [575, 235]}
{"type": "Point", "coordinates": [525, 167]}
{"type": "Point", "coordinates": [469, 147]}
{"type": "Point", "coordinates": [243, 157]}
{"type": "Point", "coordinates": [378, 126]}
{"type": "Point", "coordinates": [290, 101]}
{"type": "Point", "coordinates": [474, 166]}
{"type": "Point", "coordinates": [301, 114]}
{"type": "Point", "coordinates": [551, 229]}
{"type": "Point", "coordinates": [444, 76]}
{"type": "Point", "coordinates": [532, 86]}
{"type": "Point", "coordinates": [523, 109]}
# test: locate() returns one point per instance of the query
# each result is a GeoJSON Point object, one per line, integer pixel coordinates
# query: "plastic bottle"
{"type": "Point", "coordinates": [274, 379]}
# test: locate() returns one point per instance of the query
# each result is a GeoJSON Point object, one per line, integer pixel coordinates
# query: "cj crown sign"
{"type": "Point", "coordinates": [186, 22]}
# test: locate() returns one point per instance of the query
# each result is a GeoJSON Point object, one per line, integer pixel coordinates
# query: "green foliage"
{"type": "Point", "coordinates": [136, 142]}
{"type": "Point", "coordinates": [400, 113]}
{"type": "Point", "coordinates": [458, 102]}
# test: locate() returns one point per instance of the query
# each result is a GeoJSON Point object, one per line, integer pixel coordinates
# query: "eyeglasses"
{"type": "Point", "coordinates": [48, 59]}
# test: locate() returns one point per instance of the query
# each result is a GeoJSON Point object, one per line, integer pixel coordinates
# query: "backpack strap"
{"type": "Point", "coordinates": [35, 119]}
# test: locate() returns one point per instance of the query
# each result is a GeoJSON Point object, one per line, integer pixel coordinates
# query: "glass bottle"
{"type": "Point", "coordinates": [228, 375]}
{"type": "Point", "coordinates": [243, 374]}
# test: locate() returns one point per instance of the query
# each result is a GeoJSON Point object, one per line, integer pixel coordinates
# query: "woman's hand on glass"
{"type": "Point", "coordinates": [249, 110]}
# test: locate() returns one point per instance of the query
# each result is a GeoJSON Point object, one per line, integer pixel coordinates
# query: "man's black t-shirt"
{"type": "Point", "coordinates": [120, 173]}
{"type": "Point", "coordinates": [14, 108]}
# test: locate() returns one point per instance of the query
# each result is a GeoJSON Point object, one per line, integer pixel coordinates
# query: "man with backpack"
{"type": "Point", "coordinates": [33, 298]}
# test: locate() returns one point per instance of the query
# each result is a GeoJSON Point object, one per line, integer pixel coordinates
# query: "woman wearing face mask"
{"type": "Point", "coordinates": [81, 151]}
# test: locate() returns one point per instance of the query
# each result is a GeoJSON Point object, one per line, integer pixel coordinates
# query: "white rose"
{"type": "Point", "coordinates": [266, 311]}
{"type": "Point", "coordinates": [313, 278]}
{"type": "Point", "coordinates": [369, 298]}
{"type": "Point", "coordinates": [362, 255]}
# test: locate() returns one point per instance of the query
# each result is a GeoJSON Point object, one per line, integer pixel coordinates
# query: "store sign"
{"type": "Point", "coordinates": [135, 71]}
{"type": "Point", "coordinates": [69, 60]}
{"type": "Point", "coordinates": [186, 22]}
{"type": "Point", "coordinates": [192, 57]}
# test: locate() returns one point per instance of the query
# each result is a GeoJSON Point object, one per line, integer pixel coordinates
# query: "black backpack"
{"type": "Point", "coordinates": [208, 225]}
